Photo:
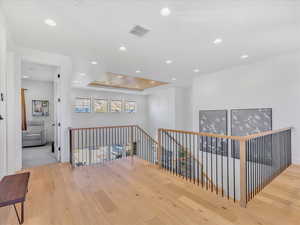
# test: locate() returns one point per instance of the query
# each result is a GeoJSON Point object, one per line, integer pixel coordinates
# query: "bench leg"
{"type": "Point", "coordinates": [21, 220]}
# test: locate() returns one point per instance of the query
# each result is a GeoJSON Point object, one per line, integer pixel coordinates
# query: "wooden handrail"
{"type": "Point", "coordinates": [265, 133]}
{"type": "Point", "coordinates": [87, 128]}
{"type": "Point", "coordinates": [174, 140]}
{"type": "Point", "coordinates": [148, 135]}
{"type": "Point", "coordinates": [236, 138]}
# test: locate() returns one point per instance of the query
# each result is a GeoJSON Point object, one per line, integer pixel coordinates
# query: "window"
{"type": "Point", "coordinates": [116, 106]}
{"type": "Point", "coordinates": [130, 106]}
{"type": "Point", "coordinates": [82, 105]}
{"type": "Point", "coordinates": [100, 105]}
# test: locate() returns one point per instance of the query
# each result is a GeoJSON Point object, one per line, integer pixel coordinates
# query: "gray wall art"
{"type": "Point", "coordinates": [250, 121]}
{"type": "Point", "coordinates": [213, 121]}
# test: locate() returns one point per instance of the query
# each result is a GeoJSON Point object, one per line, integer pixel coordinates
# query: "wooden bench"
{"type": "Point", "coordinates": [13, 190]}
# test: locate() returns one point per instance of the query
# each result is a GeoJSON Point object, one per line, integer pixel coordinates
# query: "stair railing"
{"type": "Point", "coordinates": [188, 154]}
{"type": "Point", "coordinates": [232, 166]}
{"type": "Point", "coordinates": [99, 145]}
{"type": "Point", "coordinates": [147, 147]}
{"type": "Point", "coordinates": [237, 166]}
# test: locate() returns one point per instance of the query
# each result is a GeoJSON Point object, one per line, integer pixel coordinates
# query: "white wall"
{"type": "Point", "coordinates": [161, 105]}
{"type": "Point", "coordinates": [182, 109]}
{"type": "Point", "coordinates": [40, 90]}
{"type": "Point", "coordinates": [273, 83]}
{"type": "Point", "coordinates": [169, 108]}
{"type": "Point", "coordinates": [10, 139]}
{"type": "Point", "coordinates": [110, 119]}
{"type": "Point", "coordinates": [14, 155]}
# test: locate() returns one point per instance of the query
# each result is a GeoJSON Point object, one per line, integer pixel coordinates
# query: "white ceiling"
{"type": "Point", "coordinates": [95, 29]}
{"type": "Point", "coordinates": [39, 72]}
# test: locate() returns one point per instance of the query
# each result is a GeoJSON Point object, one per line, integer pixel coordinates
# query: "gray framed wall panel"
{"type": "Point", "coordinates": [250, 121]}
{"type": "Point", "coordinates": [213, 121]}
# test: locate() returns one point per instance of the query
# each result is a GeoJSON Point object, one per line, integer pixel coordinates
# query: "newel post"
{"type": "Point", "coordinates": [243, 178]}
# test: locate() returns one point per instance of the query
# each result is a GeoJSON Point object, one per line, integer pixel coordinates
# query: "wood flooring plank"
{"type": "Point", "coordinates": [154, 221]}
{"type": "Point", "coordinates": [105, 201]}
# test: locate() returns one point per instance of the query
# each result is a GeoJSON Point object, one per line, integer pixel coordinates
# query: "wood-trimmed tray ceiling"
{"type": "Point", "coordinates": [113, 80]}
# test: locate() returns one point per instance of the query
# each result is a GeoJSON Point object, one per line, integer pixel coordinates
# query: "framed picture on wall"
{"type": "Point", "coordinates": [250, 121]}
{"type": "Point", "coordinates": [116, 106]}
{"type": "Point", "coordinates": [40, 108]}
{"type": "Point", "coordinates": [130, 106]}
{"type": "Point", "coordinates": [213, 121]}
{"type": "Point", "coordinates": [83, 104]}
{"type": "Point", "coordinates": [100, 105]}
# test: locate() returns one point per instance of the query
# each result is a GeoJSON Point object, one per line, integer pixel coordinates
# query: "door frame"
{"type": "Point", "coordinates": [56, 105]}
{"type": "Point", "coordinates": [57, 115]}
{"type": "Point", "coordinates": [64, 63]}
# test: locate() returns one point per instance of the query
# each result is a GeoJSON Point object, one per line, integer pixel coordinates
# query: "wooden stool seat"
{"type": "Point", "coordinates": [13, 190]}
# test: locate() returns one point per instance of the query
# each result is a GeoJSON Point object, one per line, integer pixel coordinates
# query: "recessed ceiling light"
{"type": "Point", "coordinates": [173, 78]}
{"type": "Point", "coordinates": [169, 61]}
{"type": "Point", "coordinates": [244, 56]}
{"type": "Point", "coordinates": [165, 11]}
{"type": "Point", "coordinates": [94, 62]}
{"type": "Point", "coordinates": [123, 48]}
{"type": "Point", "coordinates": [82, 74]}
{"type": "Point", "coordinates": [120, 76]}
{"type": "Point", "coordinates": [50, 22]}
{"type": "Point", "coordinates": [25, 77]}
{"type": "Point", "coordinates": [196, 70]}
{"type": "Point", "coordinates": [218, 41]}
{"type": "Point", "coordinates": [138, 71]}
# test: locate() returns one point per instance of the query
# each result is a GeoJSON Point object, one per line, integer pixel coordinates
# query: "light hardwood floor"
{"type": "Point", "coordinates": [122, 193]}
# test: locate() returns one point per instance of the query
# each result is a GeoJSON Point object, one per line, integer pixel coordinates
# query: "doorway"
{"type": "Point", "coordinates": [39, 114]}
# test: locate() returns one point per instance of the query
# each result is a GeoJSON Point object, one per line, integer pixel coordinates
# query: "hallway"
{"type": "Point", "coordinates": [37, 156]}
{"type": "Point", "coordinates": [121, 193]}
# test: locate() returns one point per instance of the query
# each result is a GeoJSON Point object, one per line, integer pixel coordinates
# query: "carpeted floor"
{"type": "Point", "coordinates": [37, 156]}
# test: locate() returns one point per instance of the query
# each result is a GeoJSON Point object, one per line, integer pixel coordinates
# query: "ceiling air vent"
{"type": "Point", "coordinates": [139, 31]}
